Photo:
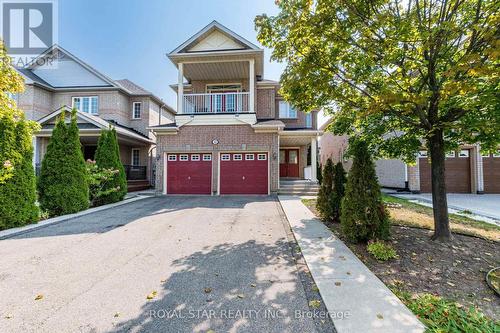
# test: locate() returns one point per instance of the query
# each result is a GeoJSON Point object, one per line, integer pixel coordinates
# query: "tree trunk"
{"type": "Point", "coordinates": [439, 200]}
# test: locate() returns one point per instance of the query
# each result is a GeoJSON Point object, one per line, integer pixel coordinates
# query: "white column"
{"type": "Point", "coordinates": [251, 74]}
{"type": "Point", "coordinates": [479, 169]}
{"type": "Point", "coordinates": [314, 159]}
{"type": "Point", "coordinates": [35, 152]}
{"type": "Point", "coordinates": [180, 89]}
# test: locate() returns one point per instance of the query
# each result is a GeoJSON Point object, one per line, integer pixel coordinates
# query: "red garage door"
{"type": "Point", "coordinates": [457, 176]}
{"type": "Point", "coordinates": [189, 173]}
{"type": "Point", "coordinates": [244, 173]}
{"type": "Point", "coordinates": [491, 173]}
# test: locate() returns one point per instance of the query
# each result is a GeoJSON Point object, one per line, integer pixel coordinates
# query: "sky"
{"type": "Point", "coordinates": [130, 38]}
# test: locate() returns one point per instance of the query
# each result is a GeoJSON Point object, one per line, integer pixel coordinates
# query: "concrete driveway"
{"type": "Point", "coordinates": [215, 263]}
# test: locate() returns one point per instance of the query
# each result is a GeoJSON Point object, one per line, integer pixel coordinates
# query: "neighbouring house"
{"type": "Point", "coordinates": [58, 80]}
{"type": "Point", "coordinates": [233, 133]}
{"type": "Point", "coordinates": [467, 169]}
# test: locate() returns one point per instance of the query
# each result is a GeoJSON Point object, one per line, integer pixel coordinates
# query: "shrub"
{"type": "Point", "coordinates": [381, 251]}
{"type": "Point", "coordinates": [98, 180]}
{"type": "Point", "coordinates": [107, 156]}
{"type": "Point", "coordinates": [363, 213]}
{"type": "Point", "coordinates": [324, 202]}
{"type": "Point", "coordinates": [63, 187]}
{"type": "Point", "coordinates": [319, 172]}
{"type": "Point", "coordinates": [17, 186]}
{"type": "Point", "coordinates": [339, 180]}
{"type": "Point", "coordinates": [441, 315]}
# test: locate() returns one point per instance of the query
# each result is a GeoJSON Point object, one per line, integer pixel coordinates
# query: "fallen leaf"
{"type": "Point", "coordinates": [152, 295]}
{"type": "Point", "coordinates": [241, 296]}
{"type": "Point", "coordinates": [338, 284]}
{"type": "Point", "coordinates": [117, 315]}
{"type": "Point", "coordinates": [486, 299]}
{"type": "Point", "coordinates": [163, 281]}
{"type": "Point", "coordinates": [207, 290]}
{"type": "Point", "coordinates": [315, 303]}
{"type": "Point", "coordinates": [8, 316]}
{"type": "Point", "coordinates": [379, 316]}
{"type": "Point", "coordinates": [451, 284]}
{"type": "Point", "coordinates": [253, 285]}
{"type": "Point", "coordinates": [38, 297]}
{"type": "Point", "coordinates": [348, 273]}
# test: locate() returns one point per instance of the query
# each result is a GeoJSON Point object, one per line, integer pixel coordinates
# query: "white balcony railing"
{"type": "Point", "coordinates": [216, 103]}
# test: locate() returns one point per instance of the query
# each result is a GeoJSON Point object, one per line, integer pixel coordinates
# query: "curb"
{"type": "Point", "coordinates": [5, 234]}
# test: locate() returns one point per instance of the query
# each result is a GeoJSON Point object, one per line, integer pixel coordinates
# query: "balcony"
{"type": "Point", "coordinates": [213, 103]}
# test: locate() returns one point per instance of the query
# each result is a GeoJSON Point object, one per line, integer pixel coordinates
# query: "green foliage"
{"type": "Point", "coordinates": [99, 180]}
{"type": "Point", "coordinates": [441, 315]}
{"type": "Point", "coordinates": [324, 203]}
{"type": "Point", "coordinates": [62, 186]}
{"type": "Point", "coordinates": [363, 216]}
{"type": "Point", "coordinates": [381, 250]}
{"type": "Point", "coordinates": [339, 180]}
{"type": "Point", "coordinates": [319, 172]}
{"type": "Point", "coordinates": [107, 156]}
{"type": "Point", "coordinates": [18, 191]}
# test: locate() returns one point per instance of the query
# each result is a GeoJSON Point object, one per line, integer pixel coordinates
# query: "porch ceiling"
{"type": "Point", "coordinates": [217, 70]}
{"type": "Point", "coordinates": [294, 141]}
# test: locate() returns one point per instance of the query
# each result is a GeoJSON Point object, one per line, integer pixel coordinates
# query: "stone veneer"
{"type": "Point", "coordinates": [234, 138]}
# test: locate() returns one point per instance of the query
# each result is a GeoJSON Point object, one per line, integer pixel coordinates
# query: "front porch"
{"type": "Point", "coordinates": [298, 155]}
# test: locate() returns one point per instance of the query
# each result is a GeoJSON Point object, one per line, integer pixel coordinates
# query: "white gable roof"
{"type": "Point", "coordinates": [67, 71]}
{"type": "Point", "coordinates": [215, 37]}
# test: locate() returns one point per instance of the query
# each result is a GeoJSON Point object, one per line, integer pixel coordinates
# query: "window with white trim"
{"type": "Point", "coordinates": [262, 157]}
{"type": "Point", "coordinates": [287, 111]}
{"type": "Point", "coordinates": [136, 157]}
{"type": "Point", "coordinates": [225, 157]}
{"type": "Point", "coordinates": [309, 120]}
{"type": "Point", "coordinates": [195, 157]}
{"type": "Point", "coordinates": [249, 157]}
{"type": "Point", "coordinates": [237, 157]}
{"type": "Point", "coordinates": [183, 158]}
{"type": "Point", "coordinates": [87, 104]}
{"type": "Point", "coordinates": [207, 157]}
{"type": "Point", "coordinates": [172, 157]}
{"type": "Point", "coordinates": [451, 154]}
{"type": "Point", "coordinates": [136, 110]}
{"type": "Point", "coordinates": [422, 153]}
{"type": "Point", "coordinates": [464, 153]}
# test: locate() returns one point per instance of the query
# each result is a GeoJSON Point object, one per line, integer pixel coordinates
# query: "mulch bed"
{"type": "Point", "coordinates": [455, 270]}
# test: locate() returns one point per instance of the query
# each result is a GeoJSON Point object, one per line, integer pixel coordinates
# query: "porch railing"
{"type": "Point", "coordinates": [136, 172]}
{"type": "Point", "coordinates": [216, 103]}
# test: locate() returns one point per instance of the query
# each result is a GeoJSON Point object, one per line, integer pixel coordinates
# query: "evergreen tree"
{"type": "Point", "coordinates": [63, 187]}
{"type": "Point", "coordinates": [107, 156]}
{"type": "Point", "coordinates": [324, 202]}
{"type": "Point", "coordinates": [339, 180]}
{"type": "Point", "coordinates": [319, 172]}
{"type": "Point", "coordinates": [18, 189]}
{"type": "Point", "coordinates": [363, 215]}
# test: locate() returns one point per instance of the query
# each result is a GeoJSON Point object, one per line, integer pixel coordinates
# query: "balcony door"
{"type": "Point", "coordinates": [289, 163]}
{"type": "Point", "coordinates": [224, 97]}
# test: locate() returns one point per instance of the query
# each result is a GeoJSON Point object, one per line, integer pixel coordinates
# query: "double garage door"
{"type": "Point", "coordinates": [239, 173]}
{"type": "Point", "coordinates": [491, 173]}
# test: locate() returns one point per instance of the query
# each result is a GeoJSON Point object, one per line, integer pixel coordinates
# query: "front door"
{"type": "Point", "coordinates": [289, 163]}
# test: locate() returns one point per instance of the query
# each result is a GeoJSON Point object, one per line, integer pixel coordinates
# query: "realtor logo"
{"type": "Point", "coordinates": [28, 26]}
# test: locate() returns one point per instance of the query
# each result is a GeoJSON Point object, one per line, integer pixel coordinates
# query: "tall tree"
{"type": "Point", "coordinates": [63, 184]}
{"type": "Point", "coordinates": [17, 176]}
{"type": "Point", "coordinates": [107, 156]}
{"type": "Point", "coordinates": [401, 73]}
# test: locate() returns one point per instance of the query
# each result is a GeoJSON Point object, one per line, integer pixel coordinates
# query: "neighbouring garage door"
{"type": "Point", "coordinates": [244, 173]}
{"type": "Point", "coordinates": [491, 173]}
{"type": "Point", "coordinates": [189, 173]}
{"type": "Point", "coordinates": [458, 173]}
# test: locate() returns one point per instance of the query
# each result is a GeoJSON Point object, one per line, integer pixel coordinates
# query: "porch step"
{"type": "Point", "coordinates": [138, 185]}
{"type": "Point", "coordinates": [298, 187]}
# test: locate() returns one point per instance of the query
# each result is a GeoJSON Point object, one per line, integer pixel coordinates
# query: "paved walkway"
{"type": "Point", "coordinates": [346, 285]}
{"type": "Point", "coordinates": [487, 205]}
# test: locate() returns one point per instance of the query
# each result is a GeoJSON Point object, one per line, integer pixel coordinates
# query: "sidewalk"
{"type": "Point", "coordinates": [346, 285]}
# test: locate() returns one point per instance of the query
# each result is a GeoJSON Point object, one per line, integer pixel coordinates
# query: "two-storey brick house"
{"type": "Point", "coordinates": [58, 80]}
{"type": "Point", "coordinates": [233, 133]}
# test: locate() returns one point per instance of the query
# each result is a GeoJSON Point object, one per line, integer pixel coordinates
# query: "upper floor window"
{"type": "Point", "coordinates": [136, 110]}
{"type": "Point", "coordinates": [309, 120]}
{"type": "Point", "coordinates": [87, 104]}
{"type": "Point", "coordinates": [287, 111]}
